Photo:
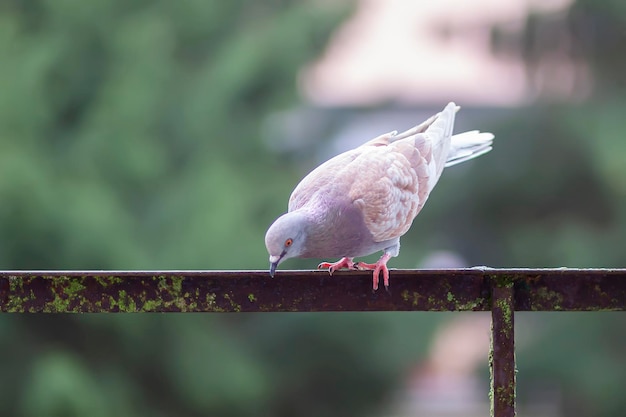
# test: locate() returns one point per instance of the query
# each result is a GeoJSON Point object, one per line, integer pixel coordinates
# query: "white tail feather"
{"type": "Point", "coordinates": [468, 145]}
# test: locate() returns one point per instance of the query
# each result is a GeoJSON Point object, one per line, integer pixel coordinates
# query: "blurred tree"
{"type": "Point", "coordinates": [130, 139]}
{"type": "Point", "coordinates": [140, 126]}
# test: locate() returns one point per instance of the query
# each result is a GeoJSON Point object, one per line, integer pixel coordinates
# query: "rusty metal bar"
{"type": "Point", "coordinates": [503, 291]}
{"type": "Point", "coordinates": [254, 291]}
{"type": "Point", "coordinates": [502, 350]}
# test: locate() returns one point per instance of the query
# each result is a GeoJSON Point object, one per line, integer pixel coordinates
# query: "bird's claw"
{"type": "Point", "coordinates": [377, 271]}
{"type": "Point", "coordinates": [378, 268]}
{"type": "Point", "coordinates": [342, 263]}
{"type": "Point", "coordinates": [327, 265]}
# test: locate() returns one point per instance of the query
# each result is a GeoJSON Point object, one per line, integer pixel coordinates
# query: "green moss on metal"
{"type": "Point", "coordinates": [210, 299]}
{"type": "Point", "coordinates": [149, 306]}
{"type": "Point", "coordinates": [502, 394]}
{"type": "Point", "coordinates": [162, 285]}
{"type": "Point", "coordinates": [73, 286]}
{"type": "Point", "coordinates": [413, 298]}
{"type": "Point", "coordinates": [507, 313]}
{"type": "Point", "coordinates": [16, 284]}
{"type": "Point", "coordinates": [416, 298]}
{"type": "Point", "coordinates": [14, 302]}
{"type": "Point", "coordinates": [547, 297]}
{"type": "Point", "coordinates": [211, 304]}
{"type": "Point", "coordinates": [169, 295]}
{"type": "Point", "coordinates": [507, 393]}
{"type": "Point", "coordinates": [186, 302]}
{"type": "Point", "coordinates": [470, 305]}
{"type": "Point", "coordinates": [436, 304]}
{"type": "Point", "coordinates": [177, 284]}
{"type": "Point", "coordinates": [57, 305]}
{"type": "Point", "coordinates": [124, 302]}
{"type": "Point", "coordinates": [66, 292]}
{"type": "Point", "coordinates": [504, 280]}
{"type": "Point", "coordinates": [108, 280]}
{"type": "Point", "coordinates": [234, 306]}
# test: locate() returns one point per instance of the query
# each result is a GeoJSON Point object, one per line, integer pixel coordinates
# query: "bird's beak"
{"type": "Point", "coordinates": [274, 261]}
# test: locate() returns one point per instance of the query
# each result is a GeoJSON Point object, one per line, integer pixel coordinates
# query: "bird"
{"type": "Point", "coordinates": [364, 200]}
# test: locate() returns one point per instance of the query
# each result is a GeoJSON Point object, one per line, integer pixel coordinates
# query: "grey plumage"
{"type": "Point", "coordinates": [363, 200]}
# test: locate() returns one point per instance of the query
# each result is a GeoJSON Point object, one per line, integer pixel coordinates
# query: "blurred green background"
{"type": "Point", "coordinates": [134, 135]}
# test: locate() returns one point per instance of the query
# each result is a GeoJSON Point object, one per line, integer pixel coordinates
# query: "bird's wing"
{"type": "Point", "coordinates": [393, 180]}
{"type": "Point", "coordinates": [328, 175]}
{"type": "Point", "coordinates": [390, 186]}
{"type": "Point", "coordinates": [387, 138]}
{"type": "Point", "coordinates": [389, 178]}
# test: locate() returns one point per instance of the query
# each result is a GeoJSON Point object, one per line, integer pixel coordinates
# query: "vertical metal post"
{"type": "Point", "coordinates": [502, 351]}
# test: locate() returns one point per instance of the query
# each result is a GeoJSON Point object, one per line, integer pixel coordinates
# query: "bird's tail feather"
{"type": "Point", "coordinates": [468, 145]}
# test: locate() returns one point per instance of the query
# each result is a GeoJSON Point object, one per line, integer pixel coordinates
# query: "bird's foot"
{"type": "Point", "coordinates": [342, 263]}
{"type": "Point", "coordinates": [378, 267]}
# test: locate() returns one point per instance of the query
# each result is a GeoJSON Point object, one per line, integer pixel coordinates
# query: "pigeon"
{"type": "Point", "coordinates": [362, 201]}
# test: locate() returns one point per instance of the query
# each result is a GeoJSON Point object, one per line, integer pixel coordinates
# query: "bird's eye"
{"type": "Point", "coordinates": [288, 242]}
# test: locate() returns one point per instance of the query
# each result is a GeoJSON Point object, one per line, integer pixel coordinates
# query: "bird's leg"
{"type": "Point", "coordinates": [378, 267]}
{"type": "Point", "coordinates": [342, 263]}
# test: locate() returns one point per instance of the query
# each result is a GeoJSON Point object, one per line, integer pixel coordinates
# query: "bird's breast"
{"type": "Point", "coordinates": [339, 230]}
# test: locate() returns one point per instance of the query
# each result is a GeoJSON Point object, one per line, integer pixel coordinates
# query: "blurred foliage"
{"type": "Point", "coordinates": [139, 126]}
{"type": "Point", "coordinates": [130, 137]}
{"type": "Point", "coordinates": [562, 188]}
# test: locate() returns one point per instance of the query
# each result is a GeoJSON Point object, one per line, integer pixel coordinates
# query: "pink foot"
{"type": "Point", "coordinates": [378, 267]}
{"type": "Point", "coordinates": [332, 267]}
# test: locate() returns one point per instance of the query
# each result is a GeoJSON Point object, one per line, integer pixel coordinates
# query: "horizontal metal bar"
{"type": "Point", "coordinates": [250, 291]}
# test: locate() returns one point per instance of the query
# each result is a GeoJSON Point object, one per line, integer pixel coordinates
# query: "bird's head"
{"type": "Point", "coordinates": [286, 238]}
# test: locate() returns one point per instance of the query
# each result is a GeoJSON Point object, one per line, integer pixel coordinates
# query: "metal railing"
{"type": "Point", "coordinates": [501, 291]}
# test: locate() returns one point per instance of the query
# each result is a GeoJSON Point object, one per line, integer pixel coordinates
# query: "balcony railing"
{"type": "Point", "coordinates": [501, 291]}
